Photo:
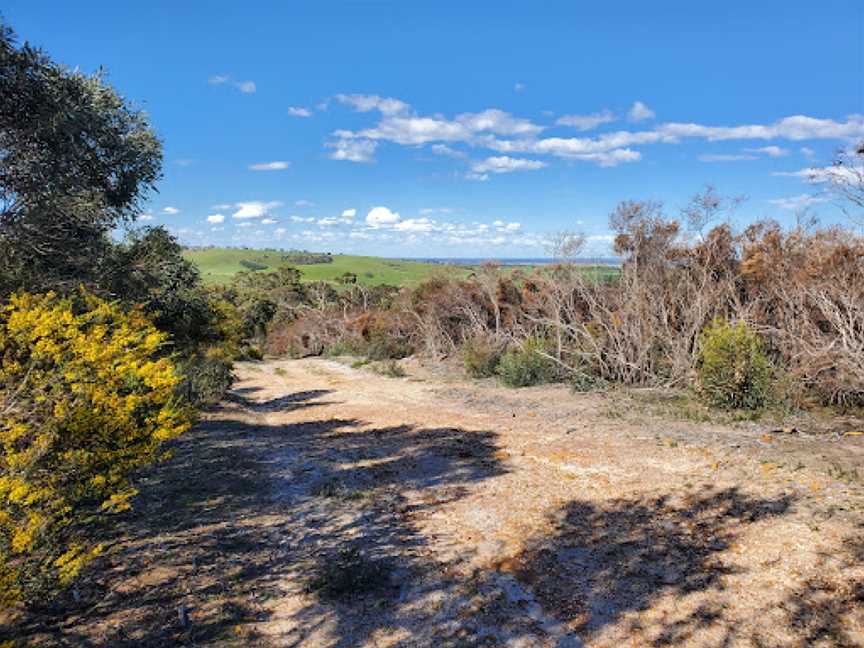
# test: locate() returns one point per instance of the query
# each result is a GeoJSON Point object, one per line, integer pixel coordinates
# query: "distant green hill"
{"type": "Point", "coordinates": [219, 265]}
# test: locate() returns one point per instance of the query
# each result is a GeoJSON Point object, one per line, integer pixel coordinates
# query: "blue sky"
{"type": "Point", "coordinates": [467, 129]}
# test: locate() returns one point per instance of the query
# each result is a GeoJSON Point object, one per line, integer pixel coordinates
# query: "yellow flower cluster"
{"type": "Point", "coordinates": [86, 398]}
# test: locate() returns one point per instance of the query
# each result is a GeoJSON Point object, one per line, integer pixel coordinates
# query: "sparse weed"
{"type": "Point", "coordinates": [389, 368]}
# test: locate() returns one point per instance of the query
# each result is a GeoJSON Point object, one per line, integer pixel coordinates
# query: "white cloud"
{"type": "Point", "coordinates": [216, 218]}
{"type": "Point", "coordinates": [725, 157]}
{"type": "Point", "coordinates": [443, 149]}
{"type": "Point", "coordinates": [488, 130]}
{"type": "Point", "coordinates": [349, 214]}
{"type": "Point", "coordinates": [808, 152]}
{"type": "Point", "coordinates": [328, 222]}
{"type": "Point", "coordinates": [498, 122]}
{"type": "Point", "coordinates": [145, 217]}
{"type": "Point", "coordinates": [519, 87]}
{"type": "Point", "coordinates": [280, 232]}
{"type": "Point", "coordinates": [268, 221]}
{"type": "Point", "coordinates": [353, 150]}
{"type": "Point", "coordinates": [825, 174]}
{"type": "Point", "coordinates": [640, 112]}
{"type": "Point", "coordinates": [277, 165]}
{"type": "Point", "coordinates": [254, 209]}
{"type": "Point", "coordinates": [798, 203]}
{"type": "Point", "coordinates": [770, 151]}
{"type": "Point", "coordinates": [299, 111]}
{"type": "Point", "coordinates": [415, 225]}
{"type": "Point", "coordinates": [381, 216]}
{"type": "Point", "coordinates": [245, 87]}
{"type": "Point", "coordinates": [365, 103]}
{"type": "Point", "coordinates": [170, 211]}
{"type": "Point", "coordinates": [300, 219]}
{"type": "Point", "coordinates": [245, 224]}
{"type": "Point", "coordinates": [477, 177]}
{"type": "Point", "coordinates": [304, 203]}
{"type": "Point", "coordinates": [222, 206]}
{"type": "Point", "coordinates": [587, 122]}
{"type": "Point", "coordinates": [505, 164]}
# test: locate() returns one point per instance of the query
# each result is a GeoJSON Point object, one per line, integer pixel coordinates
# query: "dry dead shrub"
{"type": "Point", "coordinates": [805, 288]}
{"type": "Point", "coordinates": [644, 328]}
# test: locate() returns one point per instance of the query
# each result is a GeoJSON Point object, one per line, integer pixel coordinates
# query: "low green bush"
{"type": "Point", "coordinates": [734, 371]}
{"type": "Point", "coordinates": [205, 377]}
{"type": "Point", "coordinates": [341, 348]}
{"type": "Point", "coordinates": [481, 356]}
{"type": "Point", "coordinates": [384, 347]}
{"type": "Point", "coordinates": [389, 368]}
{"type": "Point", "coordinates": [526, 365]}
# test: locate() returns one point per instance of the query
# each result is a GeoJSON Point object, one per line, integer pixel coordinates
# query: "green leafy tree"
{"type": "Point", "coordinates": [76, 161]}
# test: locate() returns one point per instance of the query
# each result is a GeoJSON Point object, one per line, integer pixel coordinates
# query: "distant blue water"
{"type": "Point", "coordinates": [611, 261]}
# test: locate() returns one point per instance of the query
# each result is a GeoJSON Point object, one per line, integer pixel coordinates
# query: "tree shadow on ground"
{"type": "Point", "coordinates": [603, 562]}
{"type": "Point", "coordinates": [824, 610]}
{"type": "Point", "coordinates": [237, 519]}
{"type": "Point", "coordinates": [313, 525]}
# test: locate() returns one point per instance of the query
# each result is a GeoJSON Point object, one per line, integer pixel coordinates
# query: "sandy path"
{"type": "Point", "coordinates": [517, 522]}
{"type": "Point", "coordinates": [321, 505]}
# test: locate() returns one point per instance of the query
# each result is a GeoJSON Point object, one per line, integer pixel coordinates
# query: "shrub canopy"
{"type": "Point", "coordinates": [85, 399]}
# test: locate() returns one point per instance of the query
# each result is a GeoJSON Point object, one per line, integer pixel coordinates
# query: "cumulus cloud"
{"type": "Point", "coordinates": [414, 225]}
{"type": "Point", "coordinates": [770, 151]}
{"type": "Point", "coordinates": [254, 209]}
{"type": "Point", "coordinates": [366, 103]}
{"type": "Point", "coordinates": [300, 219]}
{"type": "Point", "coordinates": [808, 152]}
{"type": "Point", "coordinates": [353, 150]}
{"type": "Point", "coordinates": [268, 221]}
{"type": "Point", "coordinates": [216, 218]}
{"type": "Point", "coordinates": [245, 87]}
{"type": "Point", "coordinates": [447, 151]}
{"type": "Point", "coordinates": [587, 122]}
{"type": "Point", "coordinates": [505, 164]}
{"type": "Point", "coordinates": [299, 111]}
{"type": "Point", "coordinates": [145, 217]}
{"type": "Point", "coordinates": [381, 216]}
{"type": "Point", "coordinates": [640, 112]}
{"type": "Point", "coordinates": [170, 210]}
{"type": "Point", "coordinates": [506, 134]}
{"type": "Point", "coordinates": [349, 214]}
{"type": "Point", "coordinates": [798, 203]}
{"type": "Point", "coordinates": [277, 165]}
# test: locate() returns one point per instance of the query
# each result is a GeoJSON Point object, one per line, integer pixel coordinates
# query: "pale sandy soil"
{"type": "Point", "coordinates": [473, 515]}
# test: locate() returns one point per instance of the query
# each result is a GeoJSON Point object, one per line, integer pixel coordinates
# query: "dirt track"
{"type": "Point", "coordinates": [468, 514]}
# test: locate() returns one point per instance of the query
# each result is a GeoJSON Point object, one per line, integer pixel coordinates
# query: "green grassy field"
{"type": "Point", "coordinates": [219, 265]}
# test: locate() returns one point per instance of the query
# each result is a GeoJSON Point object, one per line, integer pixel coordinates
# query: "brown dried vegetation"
{"type": "Point", "coordinates": [801, 289]}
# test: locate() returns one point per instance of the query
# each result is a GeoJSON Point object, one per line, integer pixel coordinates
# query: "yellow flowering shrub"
{"type": "Point", "coordinates": [86, 398]}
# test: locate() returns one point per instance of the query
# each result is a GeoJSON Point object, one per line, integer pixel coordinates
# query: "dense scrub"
{"type": "Point", "coordinates": [794, 299]}
{"type": "Point", "coordinates": [106, 347]}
